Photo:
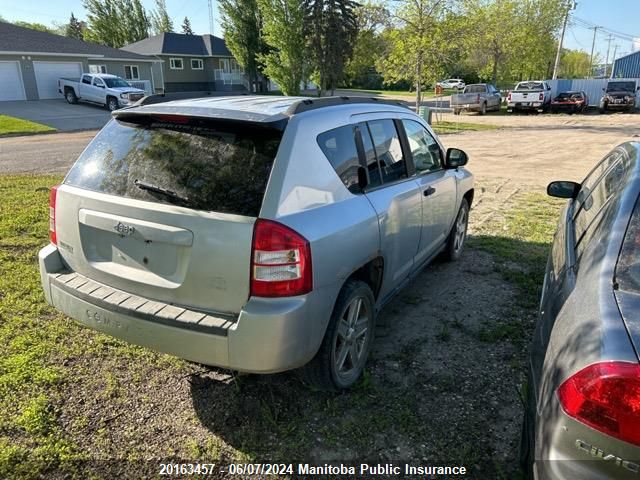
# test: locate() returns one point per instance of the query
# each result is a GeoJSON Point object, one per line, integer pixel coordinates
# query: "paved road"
{"type": "Point", "coordinates": [51, 153]}
{"type": "Point", "coordinates": [57, 113]}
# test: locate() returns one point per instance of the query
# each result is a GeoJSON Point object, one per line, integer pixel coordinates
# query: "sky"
{"type": "Point", "coordinates": [618, 15]}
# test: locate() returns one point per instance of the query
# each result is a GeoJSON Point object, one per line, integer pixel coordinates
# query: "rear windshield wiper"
{"type": "Point", "coordinates": [170, 194]}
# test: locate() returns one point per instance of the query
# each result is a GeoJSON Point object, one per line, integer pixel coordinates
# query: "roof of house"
{"type": "Point", "coordinates": [25, 40]}
{"type": "Point", "coordinates": [180, 44]}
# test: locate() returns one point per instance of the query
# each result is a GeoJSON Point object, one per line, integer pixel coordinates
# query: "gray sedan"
{"type": "Point", "coordinates": [582, 418]}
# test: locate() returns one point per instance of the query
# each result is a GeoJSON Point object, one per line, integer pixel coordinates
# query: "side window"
{"type": "Point", "coordinates": [592, 180]}
{"type": "Point", "coordinates": [373, 168]}
{"type": "Point", "coordinates": [388, 150]}
{"type": "Point", "coordinates": [585, 221]}
{"type": "Point", "coordinates": [86, 79]}
{"type": "Point", "coordinates": [425, 151]}
{"type": "Point", "coordinates": [339, 146]}
{"type": "Point", "coordinates": [97, 82]}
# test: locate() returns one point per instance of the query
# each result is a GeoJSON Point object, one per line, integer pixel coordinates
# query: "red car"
{"type": "Point", "coordinates": [570, 102]}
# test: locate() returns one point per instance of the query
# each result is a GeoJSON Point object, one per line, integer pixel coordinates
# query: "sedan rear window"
{"type": "Point", "coordinates": [222, 166]}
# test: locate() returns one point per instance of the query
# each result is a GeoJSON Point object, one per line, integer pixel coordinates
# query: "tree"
{"type": "Point", "coordinates": [331, 26]}
{"type": "Point", "coordinates": [575, 64]}
{"type": "Point", "coordinates": [160, 20]}
{"type": "Point", "coordinates": [34, 26]}
{"type": "Point", "coordinates": [186, 27]}
{"type": "Point", "coordinates": [283, 30]}
{"type": "Point", "coordinates": [371, 18]}
{"type": "Point", "coordinates": [116, 22]}
{"type": "Point", "coordinates": [421, 44]}
{"type": "Point", "coordinates": [242, 24]}
{"type": "Point", "coordinates": [74, 28]}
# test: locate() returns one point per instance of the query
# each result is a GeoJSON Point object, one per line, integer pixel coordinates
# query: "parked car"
{"type": "Point", "coordinates": [452, 83]}
{"type": "Point", "coordinates": [570, 102]}
{"type": "Point", "coordinates": [109, 90]}
{"type": "Point", "coordinates": [582, 414]}
{"type": "Point", "coordinates": [619, 95]}
{"type": "Point", "coordinates": [530, 96]}
{"type": "Point", "coordinates": [194, 228]}
{"type": "Point", "coordinates": [478, 97]}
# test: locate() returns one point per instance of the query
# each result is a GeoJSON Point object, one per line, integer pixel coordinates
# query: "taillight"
{"type": "Point", "coordinates": [478, 99]}
{"type": "Point", "coordinates": [509, 97]}
{"type": "Point", "coordinates": [605, 396]}
{"type": "Point", "coordinates": [280, 261]}
{"type": "Point", "coordinates": [52, 215]}
{"type": "Point", "coordinates": [541, 96]}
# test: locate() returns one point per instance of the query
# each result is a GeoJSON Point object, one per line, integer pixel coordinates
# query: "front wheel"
{"type": "Point", "coordinates": [347, 341]}
{"type": "Point", "coordinates": [112, 104]}
{"type": "Point", "coordinates": [70, 97]}
{"type": "Point", "coordinates": [458, 235]}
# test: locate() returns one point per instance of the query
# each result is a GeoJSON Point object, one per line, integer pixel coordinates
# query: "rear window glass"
{"type": "Point", "coordinates": [530, 86]}
{"type": "Point", "coordinates": [628, 267]}
{"type": "Point", "coordinates": [222, 166]}
{"type": "Point", "coordinates": [339, 146]}
{"type": "Point", "coordinates": [476, 89]}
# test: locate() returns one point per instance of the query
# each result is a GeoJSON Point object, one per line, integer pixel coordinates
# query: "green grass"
{"type": "Point", "coordinates": [400, 93]}
{"type": "Point", "coordinates": [455, 127]}
{"type": "Point", "coordinates": [12, 125]}
{"type": "Point", "coordinates": [520, 245]}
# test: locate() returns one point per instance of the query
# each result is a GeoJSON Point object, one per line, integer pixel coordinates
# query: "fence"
{"type": "Point", "coordinates": [142, 85]}
{"type": "Point", "coordinates": [591, 86]}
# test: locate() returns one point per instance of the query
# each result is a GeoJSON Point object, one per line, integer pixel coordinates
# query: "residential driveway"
{"type": "Point", "coordinates": [58, 113]}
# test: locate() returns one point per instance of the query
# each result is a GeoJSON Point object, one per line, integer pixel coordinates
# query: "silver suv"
{"type": "Point", "coordinates": [258, 234]}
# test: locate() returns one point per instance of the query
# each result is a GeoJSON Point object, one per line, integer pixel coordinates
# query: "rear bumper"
{"type": "Point", "coordinates": [469, 107]}
{"type": "Point", "coordinates": [268, 336]}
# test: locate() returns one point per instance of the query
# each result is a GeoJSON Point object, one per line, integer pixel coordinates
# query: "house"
{"type": "Point", "coordinates": [192, 62]}
{"type": "Point", "coordinates": [32, 61]}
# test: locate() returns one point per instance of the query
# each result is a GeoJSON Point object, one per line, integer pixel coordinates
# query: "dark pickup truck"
{"type": "Point", "coordinates": [619, 95]}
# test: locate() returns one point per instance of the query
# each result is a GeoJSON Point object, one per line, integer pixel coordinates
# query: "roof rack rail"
{"type": "Point", "coordinates": [315, 103]}
{"type": "Point", "coordinates": [168, 97]}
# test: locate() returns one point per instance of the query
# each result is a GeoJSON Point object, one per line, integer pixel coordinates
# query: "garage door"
{"type": "Point", "coordinates": [48, 73]}
{"type": "Point", "coordinates": [11, 82]}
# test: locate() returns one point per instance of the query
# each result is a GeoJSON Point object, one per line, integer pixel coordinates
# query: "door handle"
{"type": "Point", "coordinates": [429, 191]}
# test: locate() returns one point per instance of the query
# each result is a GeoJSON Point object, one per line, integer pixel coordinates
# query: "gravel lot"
{"type": "Point", "coordinates": [444, 380]}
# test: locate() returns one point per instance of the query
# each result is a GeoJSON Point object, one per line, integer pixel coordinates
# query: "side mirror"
{"type": "Point", "coordinates": [455, 158]}
{"type": "Point", "coordinates": [563, 189]}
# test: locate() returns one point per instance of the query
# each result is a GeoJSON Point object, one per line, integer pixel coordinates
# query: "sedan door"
{"type": "Point", "coordinates": [438, 190]}
{"type": "Point", "coordinates": [395, 197]}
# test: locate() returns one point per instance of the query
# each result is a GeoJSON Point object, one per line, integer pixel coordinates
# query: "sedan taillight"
{"type": "Point", "coordinates": [53, 193]}
{"type": "Point", "coordinates": [606, 397]}
{"type": "Point", "coordinates": [280, 261]}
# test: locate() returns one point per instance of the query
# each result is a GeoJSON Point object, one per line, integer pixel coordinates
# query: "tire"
{"type": "Point", "coordinates": [328, 369]}
{"type": "Point", "coordinates": [456, 112]}
{"type": "Point", "coordinates": [483, 109]}
{"type": "Point", "coordinates": [112, 103]}
{"type": "Point", "coordinates": [70, 96]}
{"type": "Point", "coordinates": [603, 109]}
{"type": "Point", "coordinates": [458, 234]}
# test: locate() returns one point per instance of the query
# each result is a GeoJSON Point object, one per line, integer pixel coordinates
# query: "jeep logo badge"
{"type": "Point", "coordinates": [123, 229]}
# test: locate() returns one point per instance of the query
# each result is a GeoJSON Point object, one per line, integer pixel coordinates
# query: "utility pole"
{"type": "Point", "coordinates": [210, 17]}
{"type": "Point", "coordinates": [571, 5]}
{"type": "Point", "coordinates": [593, 45]}
{"type": "Point", "coordinates": [606, 62]}
{"type": "Point", "coordinates": [613, 62]}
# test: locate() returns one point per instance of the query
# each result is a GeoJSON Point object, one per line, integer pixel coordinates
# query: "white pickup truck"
{"type": "Point", "coordinates": [109, 90]}
{"type": "Point", "coordinates": [534, 95]}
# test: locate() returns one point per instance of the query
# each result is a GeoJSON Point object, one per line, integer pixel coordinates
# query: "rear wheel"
{"type": "Point", "coordinates": [347, 341]}
{"type": "Point", "coordinates": [527, 438]}
{"type": "Point", "coordinates": [483, 109]}
{"type": "Point", "coordinates": [112, 103]}
{"type": "Point", "coordinates": [456, 112]}
{"type": "Point", "coordinates": [70, 96]}
{"type": "Point", "coordinates": [458, 235]}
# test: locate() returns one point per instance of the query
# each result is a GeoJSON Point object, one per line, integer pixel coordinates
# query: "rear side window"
{"type": "Point", "coordinates": [388, 150]}
{"type": "Point", "coordinates": [592, 205]}
{"type": "Point", "coordinates": [628, 267]}
{"type": "Point", "coordinates": [339, 146]}
{"type": "Point", "coordinates": [214, 166]}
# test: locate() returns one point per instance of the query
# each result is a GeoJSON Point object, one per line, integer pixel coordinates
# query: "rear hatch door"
{"type": "Point", "coordinates": [163, 207]}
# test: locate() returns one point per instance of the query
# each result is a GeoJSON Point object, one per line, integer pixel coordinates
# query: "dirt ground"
{"type": "Point", "coordinates": [435, 391]}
